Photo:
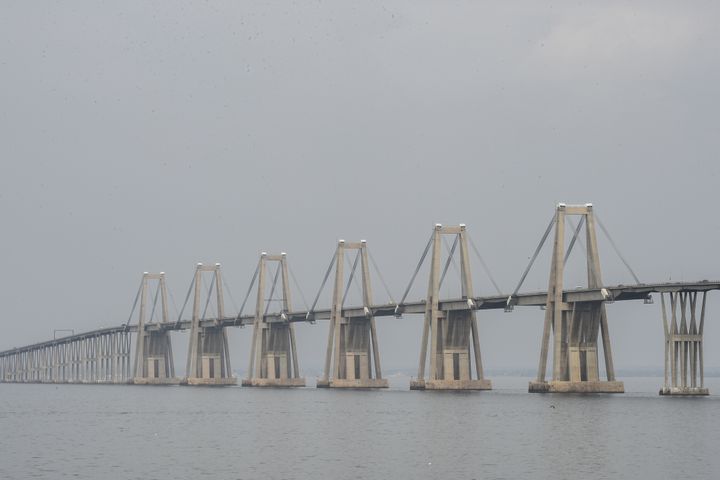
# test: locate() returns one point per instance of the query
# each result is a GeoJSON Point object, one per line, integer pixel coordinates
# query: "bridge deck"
{"type": "Point", "coordinates": [614, 293]}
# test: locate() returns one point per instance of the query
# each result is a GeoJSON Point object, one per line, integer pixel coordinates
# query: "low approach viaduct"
{"type": "Point", "coordinates": [575, 326]}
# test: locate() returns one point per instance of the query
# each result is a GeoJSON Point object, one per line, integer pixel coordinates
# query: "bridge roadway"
{"type": "Point", "coordinates": [494, 302]}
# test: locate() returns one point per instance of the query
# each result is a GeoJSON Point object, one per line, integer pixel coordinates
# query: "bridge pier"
{"type": "Point", "coordinates": [352, 345]}
{"type": "Point", "coordinates": [208, 360]}
{"type": "Point", "coordinates": [575, 325]}
{"type": "Point", "coordinates": [153, 349]}
{"type": "Point", "coordinates": [452, 332]}
{"type": "Point", "coordinates": [273, 356]}
{"type": "Point", "coordinates": [684, 369]}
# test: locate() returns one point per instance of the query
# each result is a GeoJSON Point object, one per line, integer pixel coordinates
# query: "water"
{"type": "Point", "coordinates": [128, 432]}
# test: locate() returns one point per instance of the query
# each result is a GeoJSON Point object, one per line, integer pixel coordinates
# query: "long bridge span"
{"type": "Point", "coordinates": [576, 320]}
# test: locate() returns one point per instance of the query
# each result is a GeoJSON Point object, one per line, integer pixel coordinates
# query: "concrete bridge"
{"type": "Point", "coordinates": [575, 319]}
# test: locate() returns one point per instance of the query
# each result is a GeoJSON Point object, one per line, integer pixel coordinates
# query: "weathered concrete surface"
{"type": "Point", "coordinates": [155, 381]}
{"type": "Point", "coordinates": [483, 384]}
{"type": "Point", "coordinates": [353, 383]}
{"type": "Point", "coordinates": [684, 391]}
{"type": "Point", "coordinates": [220, 382]}
{"type": "Point", "coordinates": [274, 382]}
{"type": "Point", "coordinates": [576, 387]}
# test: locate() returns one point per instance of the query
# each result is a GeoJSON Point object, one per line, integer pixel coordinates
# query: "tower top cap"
{"type": "Point", "coordinates": [199, 264]}
{"type": "Point", "coordinates": [363, 241]}
{"type": "Point", "coordinates": [263, 253]}
{"type": "Point", "coordinates": [462, 225]}
{"type": "Point", "coordinates": [341, 241]}
{"type": "Point", "coordinates": [146, 273]}
{"type": "Point", "coordinates": [283, 254]}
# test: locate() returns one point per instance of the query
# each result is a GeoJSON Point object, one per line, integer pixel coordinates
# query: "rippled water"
{"type": "Point", "coordinates": [127, 432]}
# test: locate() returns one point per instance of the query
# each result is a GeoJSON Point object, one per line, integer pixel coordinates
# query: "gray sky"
{"type": "Point", "coordinates": [153, 135]}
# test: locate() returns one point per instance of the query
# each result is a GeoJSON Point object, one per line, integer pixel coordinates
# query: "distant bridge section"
{"type": "Point", "coordinates": [575, 319]}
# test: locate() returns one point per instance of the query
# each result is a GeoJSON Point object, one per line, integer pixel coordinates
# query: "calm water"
{"type": "Point", "coordinates": [127, 432]}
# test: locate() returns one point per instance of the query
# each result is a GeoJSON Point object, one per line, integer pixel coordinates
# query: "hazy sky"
{"type": "Point", "coordinates": [148, 136]}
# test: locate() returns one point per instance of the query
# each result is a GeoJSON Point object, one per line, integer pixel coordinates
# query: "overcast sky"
{"type": "Point", "coordinates": [148, 136]}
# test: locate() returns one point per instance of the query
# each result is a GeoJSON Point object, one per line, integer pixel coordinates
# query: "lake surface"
{"type": "Point", "coordinates": [133, 432]}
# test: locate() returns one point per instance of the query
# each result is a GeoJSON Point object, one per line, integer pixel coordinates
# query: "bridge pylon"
{"type": "Point", "coordinates": [576, 325]}
{"type": "Point", "coordinates": [153, 349]}
{"type": "Point", "coordinates": [452, 332]}
{"type": "Point", "coordinates": [684, 369]}
{"type": "Point", "coordinates": [208, 361]}
{"type": "Point", "coordinates": [273, 356]}
{"type": "Point", "coordinates": [352, 346]}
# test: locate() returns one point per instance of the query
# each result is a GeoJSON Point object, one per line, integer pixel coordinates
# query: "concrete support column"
{"type": "Point", "coordinates": [684, 373]}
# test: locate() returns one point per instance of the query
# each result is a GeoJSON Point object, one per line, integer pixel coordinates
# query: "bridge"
{"type": "Point", "coordinates": [576, 319]}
